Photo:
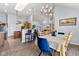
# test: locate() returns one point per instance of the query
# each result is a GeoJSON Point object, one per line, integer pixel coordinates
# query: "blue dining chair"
{"type": "Point", "coordinates": [44, 46]}
{"type": "Point", "coordinates": [61, 33]}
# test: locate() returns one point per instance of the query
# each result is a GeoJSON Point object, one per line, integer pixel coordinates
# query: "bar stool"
{"type": "Point", "coordinates": [28, 36]}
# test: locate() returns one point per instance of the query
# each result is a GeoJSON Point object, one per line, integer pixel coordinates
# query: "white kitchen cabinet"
{"type": "Point", "coordinates": [23, 35]}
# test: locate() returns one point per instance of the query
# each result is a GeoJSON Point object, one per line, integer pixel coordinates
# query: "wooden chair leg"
{"type": "Point", "coordinates": [58, 53]}
{"type": "Point", "coordinates": [40, 53]}
{"type": "Point", "coordinates": [54, 52]}
{"type": "Point", "coordinates": [65, 53]}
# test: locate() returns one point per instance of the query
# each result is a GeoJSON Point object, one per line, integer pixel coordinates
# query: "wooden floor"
{"type": "Point", "coordinates": [14, 47]}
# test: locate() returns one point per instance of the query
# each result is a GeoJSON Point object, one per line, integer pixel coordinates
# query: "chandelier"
{"type": "Point", "coordinates": [47, 10]}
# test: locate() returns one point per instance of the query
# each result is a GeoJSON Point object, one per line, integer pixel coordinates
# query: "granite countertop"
{"type": "Point", "coordinates": [2, 31]}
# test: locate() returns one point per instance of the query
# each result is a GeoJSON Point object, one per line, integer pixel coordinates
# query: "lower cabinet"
{"type": "Point", "coordinates": [17, 34]}
{"type": "Point", "coordinates": [23, 35]}
{"type": "Point", "coordinates": [1, 39]}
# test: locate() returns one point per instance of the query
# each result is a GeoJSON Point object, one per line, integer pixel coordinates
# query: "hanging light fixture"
{"type": "Point", "coordinates": [20, 6]}
{"type": "Point", "coordinates": [47, 6]}
{"type": "Point", "coordinates": [47, 10]}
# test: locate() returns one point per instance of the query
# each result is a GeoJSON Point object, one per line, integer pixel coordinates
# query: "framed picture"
{"type": "Point", "coordinates": [67, 21]}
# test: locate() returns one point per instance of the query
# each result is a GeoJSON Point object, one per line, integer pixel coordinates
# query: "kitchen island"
{"type": "Point", "coordinates": [2, 38]}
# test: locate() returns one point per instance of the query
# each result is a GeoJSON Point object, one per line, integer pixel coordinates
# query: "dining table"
{"type": "Point", "coordinates": [55, 42]}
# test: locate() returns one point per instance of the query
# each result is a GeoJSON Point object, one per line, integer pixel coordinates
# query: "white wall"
{"type": "Point", "coordinates": [18, 26]}
{"type": "Point", "coordinates": [2, 18]}
{"type": "Point", "coordinates": [11, 24]}
{"type": "Point", "coordinates": [64, 12]}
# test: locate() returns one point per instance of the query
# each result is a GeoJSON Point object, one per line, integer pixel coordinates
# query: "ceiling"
{"type": "Point", "coordinates": [70, 5]}
{"type": "Point", "coordinates": [10, 7]}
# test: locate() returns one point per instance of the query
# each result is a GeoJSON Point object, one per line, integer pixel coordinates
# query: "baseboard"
{"type": "Point", "coordinates": [74, 43]}
{"type": "Point", "coordinates": [10, 36]}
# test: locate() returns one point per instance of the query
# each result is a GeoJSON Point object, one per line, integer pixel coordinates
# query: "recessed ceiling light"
{"type": "Point", "coordinates": [29, 9]}
{"type": "Point", "coordinates": [27, 12]}
{"type": "Point", "coordinates": [20, 6]}
{"type": "Point", "coordinates": [5, 10]}
{"type": "Point", "coordinates": [6, 4]}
